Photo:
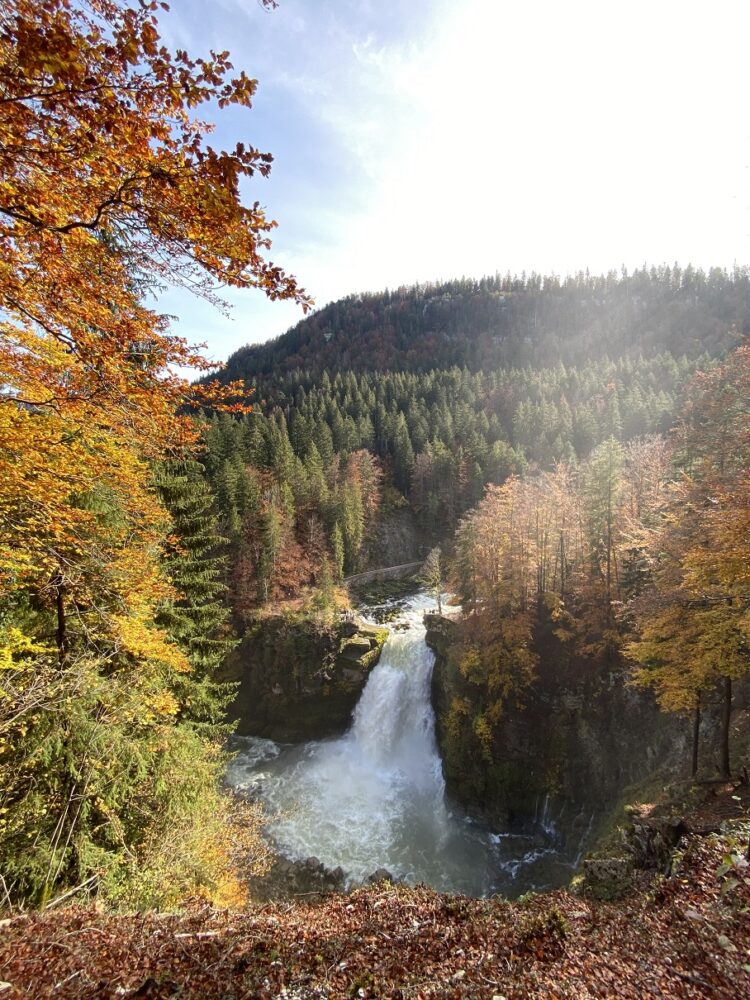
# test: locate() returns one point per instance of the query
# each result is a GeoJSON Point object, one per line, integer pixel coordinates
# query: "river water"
{"type": "Point", "coordinates": [375, 797]}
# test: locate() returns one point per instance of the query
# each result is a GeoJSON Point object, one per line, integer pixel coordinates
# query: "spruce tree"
{"type": "Point", "coordinates": [197, 619]}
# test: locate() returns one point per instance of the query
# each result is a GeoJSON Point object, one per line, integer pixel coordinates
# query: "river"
{"type": "Point", "coordinates": [375, 797]}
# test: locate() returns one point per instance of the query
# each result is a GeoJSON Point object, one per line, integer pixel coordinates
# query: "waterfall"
{"type": "Point", "coordinates": [394, 726]}
{"type": "Point", "coordinates": [375, 797]}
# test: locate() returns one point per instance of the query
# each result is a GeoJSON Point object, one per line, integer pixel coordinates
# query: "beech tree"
{"type": "Point", "coordinates": [109, 188]}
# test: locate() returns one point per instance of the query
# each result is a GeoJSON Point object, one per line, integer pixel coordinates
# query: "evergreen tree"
{"type": "Point", "coordinates": [602, 483]}
{"type": "Point", "coordinates": [403, 455]}
{"type": "Point", "coordinates": [337, 548]}
{"type": "Point", "coordinates": [197, 619]}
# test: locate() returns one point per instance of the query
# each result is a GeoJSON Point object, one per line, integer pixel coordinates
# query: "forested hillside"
{"type": "Point", "coordinates": [555, 489]}
{"type": "Point", "coordinates": [299, 484]}
{"type": "Point", "coordinates": [112, 613]}
{"type": "Point", "coordinates": [510, 321]}
{"type": "Point", "coordinates": [419, 399]}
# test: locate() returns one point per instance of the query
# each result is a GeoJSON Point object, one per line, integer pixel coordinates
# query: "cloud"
{"type": "Point", "coordinates": [462, 138]}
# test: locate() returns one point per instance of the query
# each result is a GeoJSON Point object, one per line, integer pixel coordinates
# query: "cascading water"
{"type": "Point", "coordinates": [375, 798]}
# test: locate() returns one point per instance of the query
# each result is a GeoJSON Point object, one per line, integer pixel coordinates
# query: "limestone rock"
{"type": "Point", "coordinates": [301, 679]}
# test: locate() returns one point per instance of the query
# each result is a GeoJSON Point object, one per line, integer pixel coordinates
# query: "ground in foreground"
{"type": "Point", "coordinates": [683, 936]}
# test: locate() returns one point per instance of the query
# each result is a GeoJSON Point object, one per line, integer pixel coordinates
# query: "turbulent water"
{"type": "Point", "coordinates": [375, 797]}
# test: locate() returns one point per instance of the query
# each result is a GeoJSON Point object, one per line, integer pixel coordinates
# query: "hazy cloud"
{"type": "Point", "coordinates": [464, 138]}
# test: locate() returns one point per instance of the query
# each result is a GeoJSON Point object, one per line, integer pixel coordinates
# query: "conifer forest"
{"type": "Point", "coordinates": [406, 654]}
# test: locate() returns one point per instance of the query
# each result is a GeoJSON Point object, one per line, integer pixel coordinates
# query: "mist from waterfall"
{"type": "Point", "coordinates": [375, 797]}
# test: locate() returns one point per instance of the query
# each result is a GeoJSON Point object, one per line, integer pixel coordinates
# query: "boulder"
{"type": "Point", "coordinates": [380, 875]}
{"type": "Point", "coordinates": [607, 878]}
{"type": "Point", "coordinates": [651, 843]}
{"type": "Point", "coordinates": [355, 647]}
{"type": "Point", "coordinates": [286, 879]}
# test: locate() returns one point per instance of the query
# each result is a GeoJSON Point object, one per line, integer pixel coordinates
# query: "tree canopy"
{"type": "Point", "coordinates": [109, 188]}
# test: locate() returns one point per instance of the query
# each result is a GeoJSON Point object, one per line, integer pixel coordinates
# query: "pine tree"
{"type": "Point", "coordinates": [337, 549]}
{"type": "Point", "coordinates": [403, 455]}
{"type": "Point", "coordinates": [602, 483]}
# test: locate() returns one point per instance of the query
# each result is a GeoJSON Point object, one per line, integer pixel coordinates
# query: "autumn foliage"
{"type": "Point", "coordinates": [693, 617]}
{"type": "Point", "coordinates": [642, 549]}
{"type": "Point", "coordinates": [109, 188]}
{"type": "Point", "coordinates": [682, 936]}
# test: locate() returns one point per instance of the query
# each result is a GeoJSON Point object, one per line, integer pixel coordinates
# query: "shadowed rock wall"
{"type": "Point", "coordinates": [300, 680]}
{"type": "Point", "coordinates": [578, 737]}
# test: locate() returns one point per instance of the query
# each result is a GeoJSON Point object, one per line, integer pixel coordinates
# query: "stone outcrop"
{"type": "Point", "coordinates": [308, 879]}
{"type": "Point", "coordinates": [563, 754]}
{"type": "Point", "coordinates": [606, 878]}
{"type": "Point", "coordinates": [300, 679]}
{"type": "Point", "coordinates": [395, 538]}
{"type": "Point", "coordinates": [651, 843]}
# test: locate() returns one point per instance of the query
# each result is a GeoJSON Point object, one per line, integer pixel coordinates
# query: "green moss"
{"type": "Point", "coordinates": [301, 678]}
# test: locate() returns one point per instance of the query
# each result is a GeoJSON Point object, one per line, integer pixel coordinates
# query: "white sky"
{"type": "Point", "coordinates": [433, 139]}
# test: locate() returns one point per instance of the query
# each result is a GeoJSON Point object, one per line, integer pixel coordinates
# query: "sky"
{"type": "Point", "coordinates": [433, 139]}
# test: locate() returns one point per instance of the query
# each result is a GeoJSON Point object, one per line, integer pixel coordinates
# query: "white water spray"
{"type": "Point", "coordinates": [375, 798]}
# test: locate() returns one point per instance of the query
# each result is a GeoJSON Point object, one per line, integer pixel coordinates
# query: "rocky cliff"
{"type": "Point", "coordinates": [564, 753]}
{"type": "Point", "coordinates": [299, 679]}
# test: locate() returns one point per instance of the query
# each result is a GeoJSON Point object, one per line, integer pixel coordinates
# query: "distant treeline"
{"type": "Point", "coordinates": [510, 321]}
{"type": "Point", "coordinates": [298, 482]}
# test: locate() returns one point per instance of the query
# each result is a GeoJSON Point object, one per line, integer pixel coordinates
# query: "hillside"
{"type": "Point", "coordinates": [413, 401]}
{"type": "Point", "coordinates": [509, 322]}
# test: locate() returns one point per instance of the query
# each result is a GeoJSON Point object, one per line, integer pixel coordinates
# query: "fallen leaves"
{"type": "Point", "coordinates": [394, 941]}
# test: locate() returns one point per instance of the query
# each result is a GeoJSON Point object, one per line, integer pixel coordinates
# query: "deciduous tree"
{"type": "Point", "coordinates": [109, 187]}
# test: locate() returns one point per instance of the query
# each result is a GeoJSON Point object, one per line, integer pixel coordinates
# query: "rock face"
{"type": "Point", "coordinates": [308, 879]}
{"type": "Point", "coordinates": [300, 679]}
{"type": "Point", "coordinates": [606, 878]}
{"type": "Point", "coordinates": [565, 753]}
{"type": "Point", "coordinates": [395, 539]}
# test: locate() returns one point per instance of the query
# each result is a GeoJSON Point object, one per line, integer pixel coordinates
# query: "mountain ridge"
{"type": "Point", "coordinates": [507, 321]}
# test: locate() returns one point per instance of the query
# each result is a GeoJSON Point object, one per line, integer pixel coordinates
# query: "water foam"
{"type": "Point", "coordinates": [375, 798]}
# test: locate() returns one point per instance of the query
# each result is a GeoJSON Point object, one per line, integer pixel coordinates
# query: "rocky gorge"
{"type": "Point", "coordinates": [563, 753]}
{"type": "Point", "coordinates": [562, 760]}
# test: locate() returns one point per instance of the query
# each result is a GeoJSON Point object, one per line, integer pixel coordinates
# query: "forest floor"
{"type": "Point", "coordinates": [686, 935]}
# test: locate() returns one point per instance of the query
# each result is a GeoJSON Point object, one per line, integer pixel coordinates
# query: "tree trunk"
{"type": "Point", "coordinates": [696, 733]}
{"type": "Point", "coordinates": [61, 636]}
{"type": "Point", "coordinates": [726, 715]}
{"type": "Point", "coordinates": [562, 566]}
